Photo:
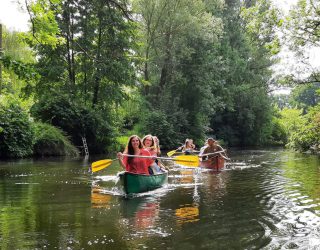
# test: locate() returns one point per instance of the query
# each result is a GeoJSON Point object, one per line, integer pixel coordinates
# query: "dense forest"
{"type": "Point", "coordinates": [106, 69]}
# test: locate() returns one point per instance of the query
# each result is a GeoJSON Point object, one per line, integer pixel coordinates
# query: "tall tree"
{"type": "Point", "coordinates": [84, 47]}
{"type": "Point", "coordinates": [248, 44]}
{"type": "Point", "coordinates": [85, 52]}
{"type": "Point", "coordinates": [178, 40]}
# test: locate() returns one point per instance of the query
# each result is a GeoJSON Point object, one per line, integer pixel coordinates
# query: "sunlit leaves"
{"type": "Point", "coordinates": [45, 28]}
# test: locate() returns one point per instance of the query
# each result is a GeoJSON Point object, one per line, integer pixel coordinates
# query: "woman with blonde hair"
{"type": "Point", "coordinates": [188, 147]}
{"type": "Point", "coordinates": [152, 146]}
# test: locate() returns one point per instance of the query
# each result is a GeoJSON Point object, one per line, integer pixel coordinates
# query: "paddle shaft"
{"type": "Point", "coordinates": [151, 157]}
{"type": "Point", "coordinates": [218, 152]}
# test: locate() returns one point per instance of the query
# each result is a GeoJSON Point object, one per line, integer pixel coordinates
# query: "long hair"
{"type": "Point", "coordinates": [129, 149]}
{"type": "Point", "coordinates": [157, 145]}
{"type": "Point", "coordinates": [186, 144]}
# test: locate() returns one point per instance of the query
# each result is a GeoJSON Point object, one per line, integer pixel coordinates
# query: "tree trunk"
{"type": "Point", "coordinates": [166, 64]}
{"type": "Point", "coordinates": [97, 74]}
{"type": "Point", "coordinates": [69, 46]}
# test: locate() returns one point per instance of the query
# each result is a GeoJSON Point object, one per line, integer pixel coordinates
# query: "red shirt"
{"type": "Point", "coordinates": [138, 165]}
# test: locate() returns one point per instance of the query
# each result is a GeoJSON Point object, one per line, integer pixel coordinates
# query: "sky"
{"type": "Point", "coordinates": [12, 16]}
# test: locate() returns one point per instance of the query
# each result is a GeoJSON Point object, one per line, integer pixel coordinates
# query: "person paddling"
{"type": "Point", "coordinates": [188, 147]}
{"type": "Point", "coordinates": [135, 164]}
{"type": "Point", "coordinates": [149, 144]}
{"type": "Point", "coordinates": [211, 147]}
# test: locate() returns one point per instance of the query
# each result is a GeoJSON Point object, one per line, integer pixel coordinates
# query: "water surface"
{"type": "Point", "coordinates": [266, 199]}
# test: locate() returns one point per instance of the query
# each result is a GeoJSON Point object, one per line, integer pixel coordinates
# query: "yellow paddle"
{"type": "Point", "coordinates": [172, 152]}
{"type": "Point", "coordinates": [186, 160]}
{"type": "Point", "coordinates": [99, 165]}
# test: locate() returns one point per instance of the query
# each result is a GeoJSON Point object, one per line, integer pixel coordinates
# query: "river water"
{"type": "Point", "coordinates": [265, 199]}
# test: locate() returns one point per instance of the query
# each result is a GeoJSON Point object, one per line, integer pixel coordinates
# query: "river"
{"type": "Point", "coordinates": [265, 199]}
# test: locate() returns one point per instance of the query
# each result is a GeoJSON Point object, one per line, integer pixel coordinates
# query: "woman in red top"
{"type": "Point", "coordinates": [135, 164]}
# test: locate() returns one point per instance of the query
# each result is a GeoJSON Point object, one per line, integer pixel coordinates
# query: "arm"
{"type": "Point", "coordinates": [120, 158]}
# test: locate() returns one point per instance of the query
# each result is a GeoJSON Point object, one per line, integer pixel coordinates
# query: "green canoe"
{"type": "Point", "coordinates": [138, 183]}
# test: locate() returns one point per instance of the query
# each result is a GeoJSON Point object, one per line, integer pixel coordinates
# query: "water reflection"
{"type": "Point", "coordinates": [141, 213]}
{"type": "Point", "coordinates": [100, 199]}
{"type": "Point", "coordinates": [268, 199]}
{"type": "Point", "coordinates": [188, 213]}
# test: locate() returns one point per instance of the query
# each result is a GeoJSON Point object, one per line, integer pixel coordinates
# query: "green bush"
{"type": "Point", "coordinates": [51, 141]}
{"type": "Point", "coordinates": [306, 135]}
{"type": "Point", "coordinates": [77, 120]}
{"type": "Point", "coordinates": [278, 135]}
{"type": "Point", "coordinates": [15, 130]}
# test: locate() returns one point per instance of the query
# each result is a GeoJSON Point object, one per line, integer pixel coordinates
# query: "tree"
{"type": "Point", "coordinates": [178, 42]}
{"type": "Point", "coordinates": [18, 61]}
{"type": "Point", "coordinates": [305, 96]}
{"type": "Point", "coordinates": [248, 44]}
{"type": "Point", "coordinates": [302, 31]}
{"type": "Point", "coordinates": [85, 52]}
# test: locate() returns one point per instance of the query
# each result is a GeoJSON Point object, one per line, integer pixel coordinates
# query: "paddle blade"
{"type": "Point", "coordinates": [171, 153]}
{"type": "Point", "coordinates": [99, 165]}
{"type": "Point", "coordinates": [187, 160]}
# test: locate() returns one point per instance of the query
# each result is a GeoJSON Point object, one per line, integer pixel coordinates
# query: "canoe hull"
{"type": "Point", "coordinates": [138, 183]}
{"type": "Point", "coordinates": [215, 163]}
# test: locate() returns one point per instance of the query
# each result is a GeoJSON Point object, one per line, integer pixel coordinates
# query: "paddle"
{"type": "Point", "coordinates": [99, 165]}
{"type": "Point", "coordinates": [172, 152]}
{"type": "Point", "coordinates": [218, 152]}
{"type": "Point", "coordinates": [186, 160]}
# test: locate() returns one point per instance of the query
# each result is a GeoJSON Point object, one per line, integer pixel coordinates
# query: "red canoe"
{"type": "Point", "coordinates": [215, 163]}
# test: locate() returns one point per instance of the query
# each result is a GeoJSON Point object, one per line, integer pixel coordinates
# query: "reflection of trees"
{"type": "Point", "coordinates": [304, 170]}
{"type": "Point", "coordinates": [45, 205]}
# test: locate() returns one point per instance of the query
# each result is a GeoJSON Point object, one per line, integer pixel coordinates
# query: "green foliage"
{"type": "Point", "coordinates": [303, 24]}
{"type": "Point", "coordinates": [21, 69]}
{"type": "Point", "coordinates": [291, 119]}
{"type": "Point", "coordinates": [18, 72]}
{"type": "Point", "coordinates": [178, 43]}
{"type": "Point", "coordinates": [51, 141]}
{"type": "Point", "coordinates": [45, 28]}
{"type": "Point", "coordinates": [302, 32]}
{"type": "Point", "coordinates": [304, 134]}
{"type": "Point", "coordinates": [122, 142]}
{"type": "Point", "coordinates": [245, 113]}
{"type": "Point", "coordinates": [203, 68]}
{"type": "Point", "coordinates": [305, 96]}
{"type": "Point", "coordinates": [278, 134]}
{"type": "Point", "coordinates": [157, 123]}
{"type": "Point", "coordinates": [302, 130]}
{"type": "Point", "coordinates": [84, 49]}
{"type": "Point", "coordinates": [15, 129]}
{"type": "Point", "coordinates": [77, 120]}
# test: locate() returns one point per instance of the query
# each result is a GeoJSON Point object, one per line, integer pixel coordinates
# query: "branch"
{"type": "Point", "coordinates": [32, 22]}
{"type": "Point", "coordinates": [122, 8]}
